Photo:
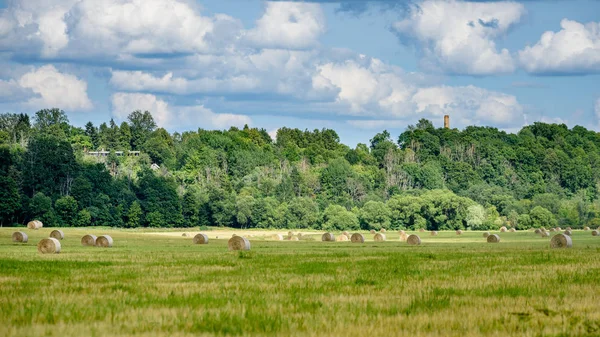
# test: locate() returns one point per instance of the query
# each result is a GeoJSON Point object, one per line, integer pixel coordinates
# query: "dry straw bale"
{"type": "Point", "coordinates": [88, 240]}
{"type": "Point", "coordinates": [568, 232]}
{"type": "Point", "coordinates": [104, 241]}
{"type": "Point", "coordinates": [20, 237]}
{"type": "Point", "coordinates": [238, 243]}
{"type": "Point", "coordinates": [558, 229]}
{"type": "Point", "coordinates": [372, 231]}
{"type": "Point", "coordinates": [401, 232]}
{"type": "Point", "coordinates": [300, 235]}
{"type": "Point", "coordinates": [552, 229]}
{"type": "Point", "coordinates": [503, 229]}
{"type": "Point", "coordinates": [569, 229]}
{"type": "Point", "coordinates": [342, 237]}
{"type": "Point", "coordinates": [35, 224]}
{"type": "Point", "coordinates": [294, 238]}
{"type": "Point", "coordinates": [586, 228]}
{"type": "Point", "coordinates": [357, 238]}
{"type": "Point", "coordinates": [544, 229]}
{"type": "Point", "coordinates": [403, 236]}
{"type": "Point", "coordinates": [413, 240]}
{"type": "Point", "coordinates": [379, 237]}
{"type": "Point", "coordinates": [422, 230]}
{"type": "Point", "coordinates": [328, 237]}
{"type": "Point", "coordinates": [290, 234]}
{"type": "Point", "coordinates": [494, 238]}
{"type": "Point", "coordinates": [57, 234]}
{"type": "Point", "coordinates": [595, 232]}
{"type": "Point", "coordinates": [201, 239]}
{"type": "Point", "coordinates": [561, 241]}
{"type": "Point", "coordinates": [545, 234]}
{"type": "Point", "coordinates": [538, 231]}
{"type": "Point", "coordinates": [382, 230]}
{"type": "Point", "coordinates": [277, 237]}
{"type": "Point", "coordinates": [185, 235]}
{"type": "Point", "coordinates": [434, 233]}
{"type": "Point", "coordinates": [49, 246]}
{"type": "Point", "coordinates": [486, 234]}
{"type": "Point", "coordinates": [346, 233]}
{"type": "Point", "coordinates": [458, 232]}
{"type": "Point", "coordinates": [512, 230]}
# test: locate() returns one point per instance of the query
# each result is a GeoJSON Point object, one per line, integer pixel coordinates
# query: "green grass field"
{"type": "Point", "coordinates": [151, 284]}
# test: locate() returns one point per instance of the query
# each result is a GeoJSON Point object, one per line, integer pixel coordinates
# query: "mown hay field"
{"type": "Point", "coordinates": [161, 284]}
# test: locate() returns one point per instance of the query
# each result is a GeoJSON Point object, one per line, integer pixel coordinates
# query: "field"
{"type": "Point", "coordinates": [160, 284]}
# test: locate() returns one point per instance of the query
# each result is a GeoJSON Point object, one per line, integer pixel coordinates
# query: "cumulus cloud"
{"type": "Point", "coordinates": [290, 25]}
{"type": "Point", "coordinates": [55, 89]}
{"type": "Point", "coordinates": [173, 116]}
{"type": "Point", "coordinates": [459, 37]}
{"type": "Point", "coordinates": [575, 49]}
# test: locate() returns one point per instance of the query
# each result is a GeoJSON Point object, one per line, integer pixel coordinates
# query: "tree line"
{"type": "Point", "coordinates": [427, 177]}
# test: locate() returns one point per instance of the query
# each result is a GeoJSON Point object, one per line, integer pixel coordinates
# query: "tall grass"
{"type": "Point", "coordinates": [152, 285]}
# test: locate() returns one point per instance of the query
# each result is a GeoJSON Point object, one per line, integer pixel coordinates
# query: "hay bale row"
{"type": "Point", "coordinates": [357, 238]}
{"type": "Point", "coordinates": [379, 237]}
{"type": "Point", "coordinates": [238, 243]}
{"type": "Point", "coordinates": [35, 224]}
{"type": "Point", "coordinates": [49, 246]}
{"type": "Point", "coordinates": [57, 234]}
{"type": "Point", "coordinates": [328, 237]}
{"type": "Point", "coordinates": [561, 241]}
{"type": "Point", "coordinates": [20, 237]}
{"type": "Point", "coordinates": [201, 239]}
{"type": "Point", "coordinates": [493, 238]}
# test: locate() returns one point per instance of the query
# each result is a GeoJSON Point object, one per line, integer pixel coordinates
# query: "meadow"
{"type": "Point", "coordinates": [159, 284]}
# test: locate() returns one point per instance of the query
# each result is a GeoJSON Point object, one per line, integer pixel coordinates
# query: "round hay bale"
{"type": "Point", "coordinates": [342, 237]}
{"type": "Point", "coordinates": [379, 237]}
{"type": "Point", "coordinates": [238, 243]}
{"type": "Point", "coordinates": [277, 237]}
{"type": "Point", "coordinates": [299, 235]}
{"type": "Point", "coordinates": [434, 233]}
{"type": "Point", "coordinates": [328, 237]}
{"type": "Point", "coordinates": [20, 237]}
{"type": "Point", "coordinates": [558, 229]}
{"type": "Point", "coordinates": [486, 234]}
{"type": "Point", "coordinates": [569, 229]}
{"type": "Point", "coordinates": [357, 238]}
{"type": "Point", "coordinates": [561, 241]}
{"type": "Point", "coordinates": [586, 228]}
{"type": "Point", "coordinates": [413, 240]}
{"type": "Point", "coordinates": [422, 230]}
{"type": "Point", "coordinates": [201, 239]}
{"type": "Point", "coordinates": [545, 234]}
{"type": "Point", "coordinates": [49, 246]}
{"type": "Point", "coordinates": [185, 235]}
{"type": "Point", "coordinates": [595, 232]}
{"type": "Point", "coordinates": [290, 234]}
{"type": "Point", "coordinates": [538, 231]}
{"type": "Point", "coordinates": [568, 232]}
{"type": "Point", "coordinates": [294, 238]}
{"type": "Point", "coordinates": [382, 230]}
{"type": "Point", "coordinates": [346, 233]}
{"type": "Point", "coordinates": [35, 224]}
{"type": "Point", "coordinates": [552, 229]}
{"type": "Point", "coordinates": [544, 229]}
{"type": "Point", "coordinates": [494, 238]}
{"type": "Point", "coordinates": [88, 240]}
{"type": "Point", "coordinates": [57, 234]}
{"type": "Point", "coordinates": [104, 241]}
{"type": "Point", "coordinates": [459, 232]}
{"type": "Point", "coordinates": [512, 230]}
{"type": "Point", "coordinates": [233, 235]}
{"type": "Point", "coordinates": [503, 229]}
{"type": "Point", "coordinates": [403, 237]}
{"type": "Point", "coordinates": [372, 231]}
{"type": "Point", "coordinates": [401, 232]}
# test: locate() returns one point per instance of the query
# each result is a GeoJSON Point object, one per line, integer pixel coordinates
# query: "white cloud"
{"type": "Point", "coordinates": [173, 116]}
{"type": "Point", "coordinates": [289, 25]}
{"type": "Point", "coordinates": [55, 89]}
{"type": "Point", "coordinates": [459, 37]}
{"type": "Point", "coordinates": [469, 105]}
{"type": "Point", "coordinates": [574, 49]}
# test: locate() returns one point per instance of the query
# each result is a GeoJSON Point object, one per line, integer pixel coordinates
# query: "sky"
{"type": "Point", "coordinates": [358, 67]}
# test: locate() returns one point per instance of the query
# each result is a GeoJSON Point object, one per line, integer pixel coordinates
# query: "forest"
{"type": "Point", "coordinates": [434, 178]}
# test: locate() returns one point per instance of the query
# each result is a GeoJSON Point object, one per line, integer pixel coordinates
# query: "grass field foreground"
{"type": "Point", "coordinates": [160, 284]}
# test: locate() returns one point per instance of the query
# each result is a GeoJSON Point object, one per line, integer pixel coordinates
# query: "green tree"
{"type": "Point", "coordinates": [141, 125]}
{"type": "Point", "coordinates": [67, 211]}
{"type": "Point", "coordinates": [134, 215]}
{"type": "Point", "coordinates": [10, 200]}
{"type": "Point", "coordinates": [541, 217]}
{"type": "Point", "coordinates": [375, 215]}
{"type": "Point", "coordinates": [337, 217]}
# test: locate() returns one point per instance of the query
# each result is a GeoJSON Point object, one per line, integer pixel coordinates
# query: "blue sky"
{"type": "Point", "coordinates": [353, 66]}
